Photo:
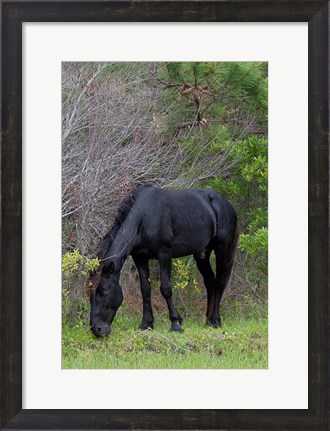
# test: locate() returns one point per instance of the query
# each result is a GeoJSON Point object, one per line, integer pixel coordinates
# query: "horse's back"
{"type": "Point", "coordinates": [198, 199]}
{"type": "Point", "coordinates": [185, 206]}
{"type": "Point", "coordinates": [186, 220]}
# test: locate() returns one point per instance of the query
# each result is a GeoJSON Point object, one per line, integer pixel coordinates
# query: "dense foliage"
{"type": "Point", "coordinates": [176, 125]}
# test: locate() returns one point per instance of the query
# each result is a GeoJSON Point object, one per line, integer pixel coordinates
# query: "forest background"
{"type": "Point", "coordinates": [175, 125]}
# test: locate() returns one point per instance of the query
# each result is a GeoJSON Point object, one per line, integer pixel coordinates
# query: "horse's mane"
{"type": "Point", "coordinates": [121, 215]}
{"type": "Point", "coordinates": [122, 212]}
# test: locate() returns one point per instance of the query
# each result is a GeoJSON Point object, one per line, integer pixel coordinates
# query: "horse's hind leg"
{"type": "Point", "coordinates": [165, 262]}
{"type": "Point", "coordinates": [204, 267]}
{"type": "Point", "coordinates": [143, 270]}
{"type": "Point", "coordinates": [224, 255]}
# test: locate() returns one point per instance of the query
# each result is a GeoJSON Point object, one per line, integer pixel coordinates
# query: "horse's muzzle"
{"type": "Point", "coordinates": [101, 329]}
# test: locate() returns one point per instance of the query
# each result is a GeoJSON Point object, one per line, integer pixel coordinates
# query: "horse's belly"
{"type": "Point", "coordinates": [180, 250]}
{"type": "Point", "coordinates": [190, 244]}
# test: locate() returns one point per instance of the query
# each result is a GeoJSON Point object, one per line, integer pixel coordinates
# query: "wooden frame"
{"type": "Point", "coordinates": [316, 13]}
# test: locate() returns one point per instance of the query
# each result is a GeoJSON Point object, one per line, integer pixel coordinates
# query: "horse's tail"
{"type": "Point", "coordinates": [233, 247]}
{"type": "Point", "coordinates": [224, 246]}
{"type": "Point", "coordinates": [227, 234]}
{"type": "Point", "coordinates": [235, 236]}
{"type": "Point", "coordinates": [226, 218]}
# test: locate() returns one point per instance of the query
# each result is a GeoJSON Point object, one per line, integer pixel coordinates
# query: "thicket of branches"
{"type": "Point", "coordinates": [175, 125]}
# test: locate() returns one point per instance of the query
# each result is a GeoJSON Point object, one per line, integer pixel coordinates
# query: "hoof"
{"type": "Point", "coordinates": [146, 325]}
{"type": "Point", "coordinates": [176, 327]}
{"type": "Point", "coordinates": [214, 323]}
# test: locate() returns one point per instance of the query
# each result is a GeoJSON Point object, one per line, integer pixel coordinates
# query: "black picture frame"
{"type": "Point", "coordinates": [13, 14]}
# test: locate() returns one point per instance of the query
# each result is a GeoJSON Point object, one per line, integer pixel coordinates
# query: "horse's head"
{"type": "Point", "coordinates": [105, 296]}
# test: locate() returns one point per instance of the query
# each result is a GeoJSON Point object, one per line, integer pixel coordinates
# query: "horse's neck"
{"type": "Point", "coordinates": [124, 240]}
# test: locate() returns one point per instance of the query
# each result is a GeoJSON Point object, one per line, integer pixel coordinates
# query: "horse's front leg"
{"type": "Point", "coordinates": [142, 266]}
{"type": "Point", "coordinates": [165, 262]}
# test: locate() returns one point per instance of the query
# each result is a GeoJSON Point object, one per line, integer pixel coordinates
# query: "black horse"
{"type": "Point", "coordinates": [163, 224]}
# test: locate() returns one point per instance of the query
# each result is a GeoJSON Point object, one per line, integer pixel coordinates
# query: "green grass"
{"type": "Point", "coordinates": [239, 344]}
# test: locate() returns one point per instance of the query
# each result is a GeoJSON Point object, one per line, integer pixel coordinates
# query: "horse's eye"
{"type": "Point", "coordinates": [103, 289]}
{"type": "Point", "coordinates": [100, 290]}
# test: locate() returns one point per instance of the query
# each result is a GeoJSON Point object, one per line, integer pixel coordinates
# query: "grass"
{"type": "Point", "coordinates": [241, 343]}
